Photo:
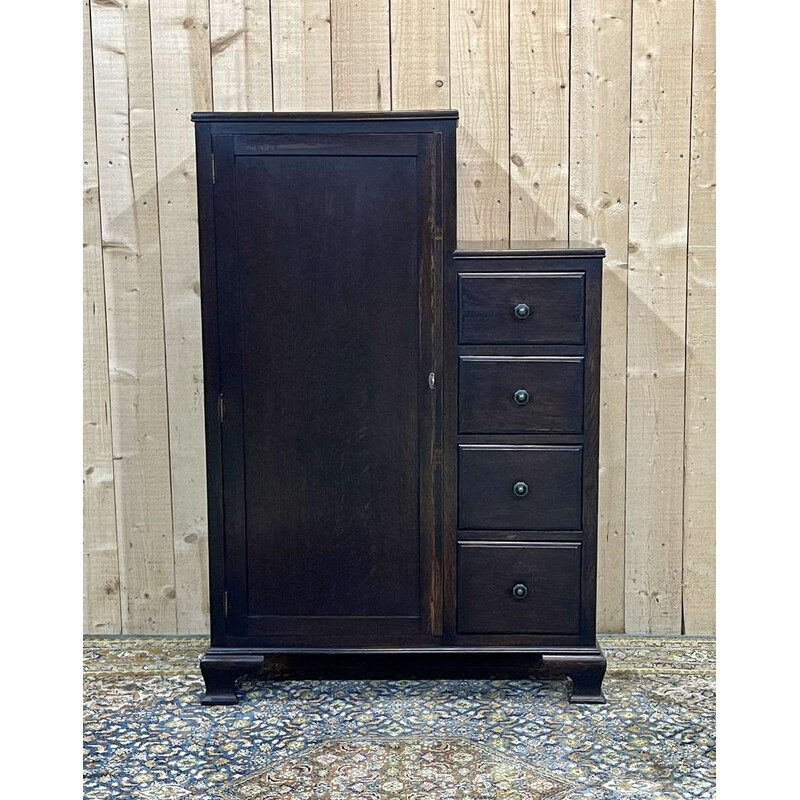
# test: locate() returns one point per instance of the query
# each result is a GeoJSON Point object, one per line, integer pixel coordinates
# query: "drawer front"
{"type": "Point", "coordinates": [520, 394]}
{"type": "Point", "coordinates": [521, 307]}
{"type": "Point", "coordinates": [519, 587]}
{"type": "Point", "coordinates": [520, 487]}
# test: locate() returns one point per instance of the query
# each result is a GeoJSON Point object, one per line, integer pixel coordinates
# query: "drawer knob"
{"type": "Point", "coordinates": [522, 311]}
{"type": "Point", "coordinates": [521, 397]}
{"type": "Point", "coordinates": [519, 590]}
{"type": "Point", "coordinates": [520, 488]}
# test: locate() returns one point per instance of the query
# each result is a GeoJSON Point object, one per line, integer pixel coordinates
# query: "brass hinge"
{"type": "Point", "coordinates": [225, 603]}
{"type": "Point", "coordinates": [213, 170]}
{"type": "Point", "coordinates": [221, 407]}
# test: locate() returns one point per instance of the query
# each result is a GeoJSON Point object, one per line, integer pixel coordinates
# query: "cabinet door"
{"type": "Point", "coordinates": [328, 257]}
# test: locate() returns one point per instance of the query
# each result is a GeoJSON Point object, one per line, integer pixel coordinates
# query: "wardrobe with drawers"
{"type": "Point", "coordinates": [401, 430]}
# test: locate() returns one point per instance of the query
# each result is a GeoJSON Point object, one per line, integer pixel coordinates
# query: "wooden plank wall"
{"type": "Point", "coordinates": [101, 608]}
{"type": "Point", "coordinates": [580, 119]}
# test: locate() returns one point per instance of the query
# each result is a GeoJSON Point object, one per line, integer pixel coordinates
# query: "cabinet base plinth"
{"type": "Point", "coordinates": [220, 673]}
{"type": "Point", "coordinates": [585, 671]}
{"type": "Point", "coordinates": [585, 668]}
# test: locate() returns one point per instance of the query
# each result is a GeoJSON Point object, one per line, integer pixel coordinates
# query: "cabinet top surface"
{"type": "Point", "coordinates": [319, 116]}
{"type": "Point", "coordinates": [471, 249]}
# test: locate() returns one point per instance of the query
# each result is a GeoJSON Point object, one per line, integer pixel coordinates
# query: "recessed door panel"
{"type": "Point", "coordinates": [326, 347]}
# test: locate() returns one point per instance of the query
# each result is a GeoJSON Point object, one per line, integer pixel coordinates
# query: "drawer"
{"type": "Point", "coordinates": [520, 394]}
{"type": "Point", "coordinates": [521, 307]}
{"type": "Point", "coordinates": [520, 487]}
{"type": "Point", "coordinates": [519, 587]}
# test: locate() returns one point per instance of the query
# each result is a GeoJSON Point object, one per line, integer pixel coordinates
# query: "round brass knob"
{"type": "Point", "coordinates": [522, 310]}
{"type": "Point", "coordinates": [521, 397]}
{"type": "Point", "coordinates": [519, 591]}
{"type": "Point", "coordinates": [520, 488]}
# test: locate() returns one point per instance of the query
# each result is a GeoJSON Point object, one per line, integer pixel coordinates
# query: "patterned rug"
{"type": "Point", "coordinates": [147, 736]}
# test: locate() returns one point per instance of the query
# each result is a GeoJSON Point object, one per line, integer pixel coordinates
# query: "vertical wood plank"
{"type": "Point", "coordinates": [182, 84]}
{"type": "Point", "coordinates": [699, 516]}
{"type": "Point", "coordinates": [360, 51]}
{"type": "Point", "coordinates": [599, 142]}
{"type": "Point", "coordinates": [241, 60]}
{"type": "Point", "coordinates": [101, 605]}
{"type": "Point", "coordinates": [657, 386]}
{"type": "Point", "coordinates": [134, 308]}
{"type": "Point", "coordinates": [539, 113]}
{"type": "Point", "coordinates": [301, 55]}
{"type": "Point", "coordinates": [420, 54]}
{"type": "Point", "coordinates": [660, 115]}
{"type": "Point", "coordinates": [479, 78]}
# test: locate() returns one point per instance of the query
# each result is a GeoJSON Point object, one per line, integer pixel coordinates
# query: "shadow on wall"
{"type": "Point", "coordinates": [642, 573]}
{"type": "Point", "coordinates": [498, 180]}
{"type": "Point", "coordinates": [144, 453]}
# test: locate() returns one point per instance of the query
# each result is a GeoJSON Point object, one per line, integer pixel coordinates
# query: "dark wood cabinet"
{"type": "Point", "coordinates": [380, 404]}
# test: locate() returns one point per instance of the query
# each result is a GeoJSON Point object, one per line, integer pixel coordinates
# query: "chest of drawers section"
{"type": "Point", "coordinates": [522, 443]}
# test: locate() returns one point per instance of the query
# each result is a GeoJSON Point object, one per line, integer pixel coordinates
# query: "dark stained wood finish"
{"type": "Point", "coordinates": [591, 449]}
{"type": "Point", "coordinates": [488, 473]}
{"type": "Point", "coordinates": [494, 535]}
{"type": "Point", "coordinates": [215, 503]}
{"type": "Point", "coordinates": [488, 302]}
{"type": "Point", "coordinates": [331, 303]}
{"type": "Point", "coordinates": [220, 673]}
{"type": "Point", "coordinates": [349, 540]}
{"type": "Point", "coordinates": [246, 120]}
{"type": "Point", "coordinates": [327, 404]}
{"type": "Point", "coordinates": [520, 394]}
{"type": "Point", "coordinates": [522, 249]}
{"type": "Point", "coordinates": [524, 258]}
{"type": "Point", "coordinates": [301, 145]}
{"type": "Point", "coordinates": [585, 671]}
{"type": "Point", "coordinates": [546, 576]}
